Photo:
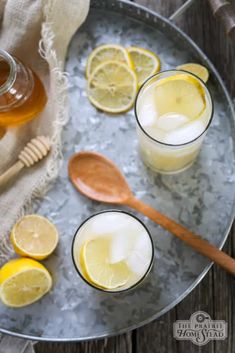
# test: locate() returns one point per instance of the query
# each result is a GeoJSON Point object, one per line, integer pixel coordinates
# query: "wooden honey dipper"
{"type": "Point", "coordinates": [34, 151]}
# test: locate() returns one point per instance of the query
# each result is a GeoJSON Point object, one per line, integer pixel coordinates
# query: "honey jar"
{"type": "Point", "coordinates": [22, 94]}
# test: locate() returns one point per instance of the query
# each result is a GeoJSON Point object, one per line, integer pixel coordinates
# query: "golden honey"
{"type": "Point", "coordinates": [22, 94]}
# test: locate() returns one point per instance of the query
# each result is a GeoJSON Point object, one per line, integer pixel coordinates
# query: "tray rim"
{"type": "Point", "coordinates": [171, 24]}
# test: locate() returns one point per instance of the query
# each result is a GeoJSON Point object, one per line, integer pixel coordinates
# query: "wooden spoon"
{"type": "Point", "coordinates": [98, 178]}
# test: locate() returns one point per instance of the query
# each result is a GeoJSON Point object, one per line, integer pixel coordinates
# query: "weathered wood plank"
{"type": "Point", "coordinates": [163, 7]}
{"type": "Point", "coordinates": [224, 300]}
{"type": "Point", "coordinates": [118, 344]}
{"type": "Point", "coordinates": [157, 336]}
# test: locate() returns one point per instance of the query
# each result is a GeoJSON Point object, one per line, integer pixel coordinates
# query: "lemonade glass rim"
{"type": "Point", "coordinates": [103, 289]}
{"type": "Point", "coordinates": [174, 71]}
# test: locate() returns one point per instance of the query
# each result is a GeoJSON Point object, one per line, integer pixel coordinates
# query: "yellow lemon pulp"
{"type": "Point", "coordinates": [96, 267]}
{"type": "Point", "coordinates": [181, 94]}
{"type": "Point", "coordinates": [34, 236]}
{"type": "Point", "coordinates": [112, 87]}
{"type": "Point", "coordinates": [23, 281]}
{"type": "Point", "coordinates": [107, 52]}
{"type": "Point", "coordinates": [146, 63]}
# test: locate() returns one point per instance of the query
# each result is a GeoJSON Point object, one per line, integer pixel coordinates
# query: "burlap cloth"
{"type": "Point", "coordinates": [38, 33]}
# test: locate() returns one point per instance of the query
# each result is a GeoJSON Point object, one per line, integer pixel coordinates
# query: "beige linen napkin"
{"type": "Point", "coordinates": [38, 33]}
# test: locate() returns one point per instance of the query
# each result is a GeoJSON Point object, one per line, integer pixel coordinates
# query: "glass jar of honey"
{"type": "Point", "coordinates": [22, 94]}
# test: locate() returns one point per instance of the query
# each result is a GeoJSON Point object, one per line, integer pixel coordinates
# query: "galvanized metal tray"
{"type": "Point", "coordinates": [202, 198]}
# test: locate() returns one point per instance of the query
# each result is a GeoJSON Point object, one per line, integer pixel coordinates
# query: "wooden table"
{"type": "Point", "coordinates": [216, 293]}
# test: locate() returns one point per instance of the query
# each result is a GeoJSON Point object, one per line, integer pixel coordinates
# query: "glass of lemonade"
{"type": "Point", "coordinates": [173, 112]}
{"type": "Point", "coordinates": [113, 251]}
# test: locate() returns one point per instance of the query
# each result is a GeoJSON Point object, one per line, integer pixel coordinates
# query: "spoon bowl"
{"type": "Point", "coordinates": [96, 177]}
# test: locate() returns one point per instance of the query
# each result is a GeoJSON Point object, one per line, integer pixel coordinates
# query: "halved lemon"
{"type": "Point", "coordinates": [23, 281]}
{"type": "Point", "coordinates": [146, 63]}
{"type": "Point", "coordinates": [112, 87]}
{"type": "Point", "coordinates": [107, 52]}
{"type": "Point", "coordinates": [97, 269]}
{"type": "Point", "coordinates": [196, 69]}
{"type": "Point", "coordinates": [181, 94]}
{"type": "Point", "coordinates": [34, 236]}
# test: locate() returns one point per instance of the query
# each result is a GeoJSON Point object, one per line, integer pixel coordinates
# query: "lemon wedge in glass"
{"type": "Point", "coordinates": [196, 69]}
{"type": "Point", "coordinates": [96, 267]}
{"type": "Point", "coordinates": [112, 87]}
{"type": "Point", "coordinates": [23, 281]}
{"type": "Point", "coordinates": [146, 63]}
{"type": "Point", "coordinates": [107, 52]}
{"type": "Point", "coordinates": [182, 94]}
{"type": "Point", "coordinates": [34, 236]}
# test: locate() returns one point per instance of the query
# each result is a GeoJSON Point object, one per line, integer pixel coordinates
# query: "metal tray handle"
{"type": "Point", "coordinates": [225, 12]}
{"type": "Point", "coordinates": [9, 344]}
{"type": "Point", "coordinates": [221, 8]}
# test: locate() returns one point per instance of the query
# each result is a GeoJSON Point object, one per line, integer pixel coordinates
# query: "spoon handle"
{"type": "Point", "coordinates": [191, 239]}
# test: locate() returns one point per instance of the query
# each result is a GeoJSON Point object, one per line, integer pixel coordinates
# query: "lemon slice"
{"type": "Point", "coordinates": [146, 63]}
{"type": "Point", "coordinates": [98, 270]}
{"type": "Point", "coordinates": [180, 94]}
{"type": "Point", "coordinates": [34, 236]}
{"type": "Point", "coordinates": [108, 52]}
{"type": "Point", "coordinates": [112, 87]}
{"type": "Point", "coordinates": [23, 281]}
{"type": "Point", "coordinates": [196, 69]}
